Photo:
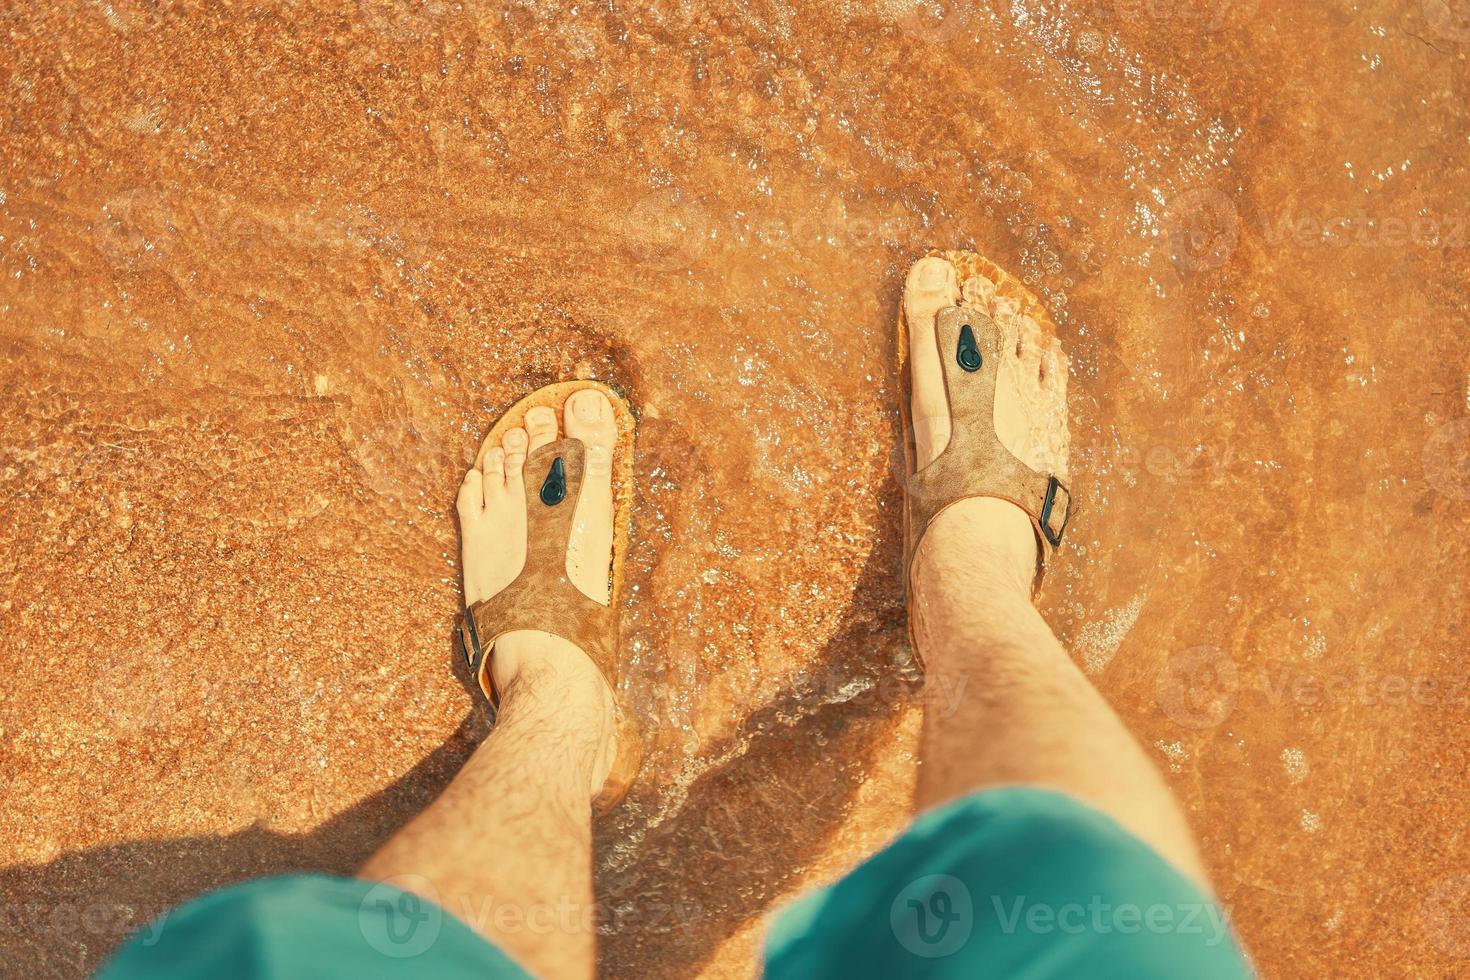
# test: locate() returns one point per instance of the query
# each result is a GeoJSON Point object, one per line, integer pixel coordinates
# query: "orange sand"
{"type": "Point", "coordinates": [269, 270]}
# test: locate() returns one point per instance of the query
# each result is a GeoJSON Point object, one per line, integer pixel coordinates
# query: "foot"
{"type": "Point", "coordinates": [492, 517]}
{"type": "Point", "coordinates": [985, 538]}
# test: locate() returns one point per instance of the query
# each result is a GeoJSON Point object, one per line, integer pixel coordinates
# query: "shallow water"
{"type": "Point", "coordinates": [269, 271]}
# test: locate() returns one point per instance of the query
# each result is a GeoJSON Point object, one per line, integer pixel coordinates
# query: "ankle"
{"type": "Point", "coordinates": [532, 661]}
{"type": "Point", "coordinates": [552, 692]}
{"type": "Point", "coordinates": [979, 547]}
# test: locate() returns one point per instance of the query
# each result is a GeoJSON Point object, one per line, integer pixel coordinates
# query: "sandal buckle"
{"type": "Point", "coordinates": [469, 638]}
{"type": "Point", "coordinates": [1052, 486]}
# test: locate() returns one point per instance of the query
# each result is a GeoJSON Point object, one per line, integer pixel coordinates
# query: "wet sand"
{"type": "Point", "coordinates": [270, 270]}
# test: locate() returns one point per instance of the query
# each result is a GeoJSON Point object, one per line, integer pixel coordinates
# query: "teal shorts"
{"type": "Point", "coordinates": [1014, 882]}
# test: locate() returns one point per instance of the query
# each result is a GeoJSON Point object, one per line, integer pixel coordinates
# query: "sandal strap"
{"type": "Point", "coordinates": [976, 463]}
{"type": "Point", "coordinates": [543, 597]}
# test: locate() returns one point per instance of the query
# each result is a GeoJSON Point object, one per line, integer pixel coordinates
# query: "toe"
{"type": "Point", "coordinates": [1055, 368]}
{"type": "Point", "coordinates": [492, 524]}
{"type": "Point", "coordinates": [979, 293]}
{"type": "Point", "coordinates": [1029, 345]}
{"type": "Point", "coordinates": [515, 442]}
{"type": "Point", "coordinates": [494, 466]}
{"type": "Point", "coordinates": [1012, 340]}
{"type": "Point", "coordinates": [540, 427]}
{"type": "Point", "coordinates": [589, 417]}
{"type": "Point", "coordinates": [931, 286]}
{"type": "Point", "coordinates": [471, 500]}
{"type": "Point", "coordinates": [588, 405]}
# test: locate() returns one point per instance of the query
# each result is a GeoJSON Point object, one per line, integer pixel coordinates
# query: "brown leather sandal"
{"type": "Point", "coordinates": [975, 463]}
{"type": "Point", "coordinates": [543, 597]}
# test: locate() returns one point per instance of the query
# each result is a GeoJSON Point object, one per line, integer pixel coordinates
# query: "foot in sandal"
{"type": "Point", "coordinates": [988, 449]}
{"type": "Point", "coordinates": [540, 527]}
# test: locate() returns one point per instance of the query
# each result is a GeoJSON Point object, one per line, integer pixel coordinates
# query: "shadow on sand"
{"type": "Point", "coordinates": [738, 841]}
{"type": "Point", "coordinates": [748, 827]}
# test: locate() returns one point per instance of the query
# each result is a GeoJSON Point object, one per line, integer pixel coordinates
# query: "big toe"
{"type": "Point", "coordinates": [588, 416]}
{"type": "Point", "coordinates": [932, 285]}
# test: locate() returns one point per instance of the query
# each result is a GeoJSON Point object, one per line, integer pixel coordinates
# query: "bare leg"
{"type": "Point", "coordinates": [508, 846]}
{"type": "Point", "coordinates": [1027, 714]}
